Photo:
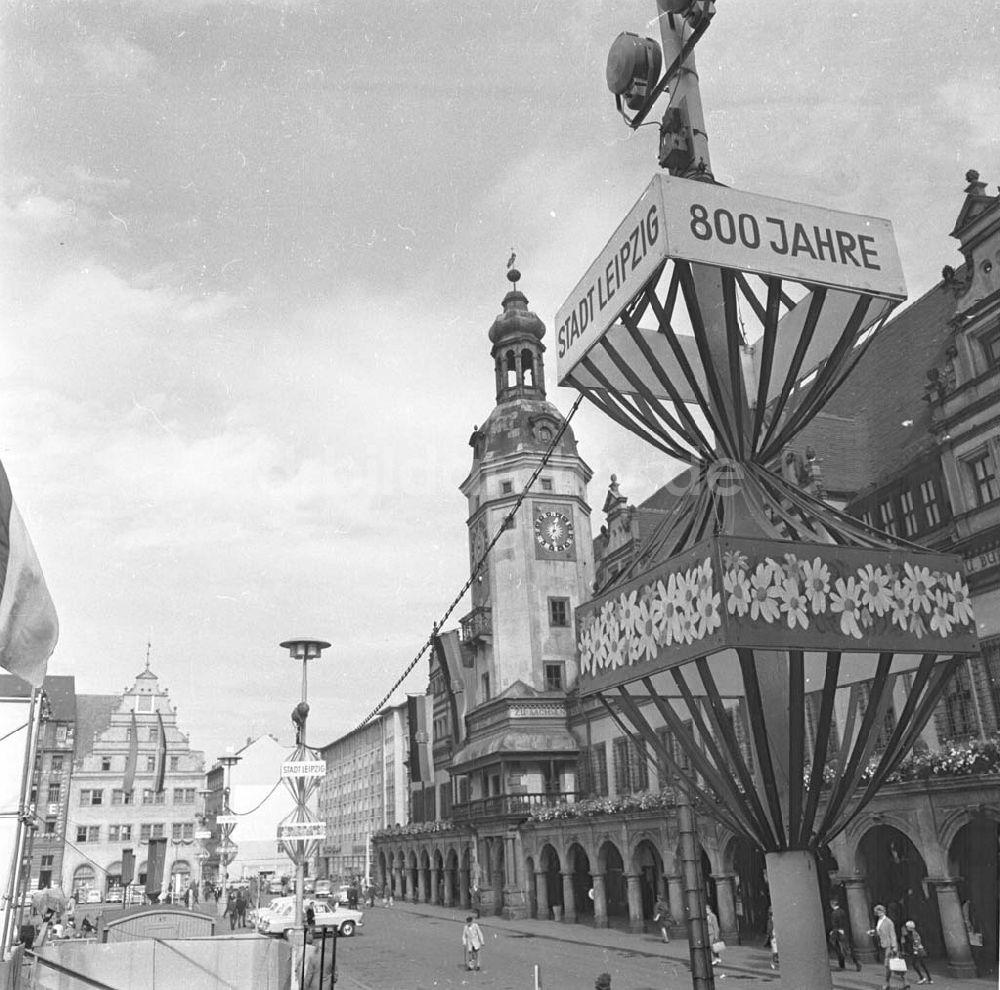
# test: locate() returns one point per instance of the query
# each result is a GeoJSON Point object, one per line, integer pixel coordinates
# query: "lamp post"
{"type": "Point", "coordinates": [226, 822]}
{"type": "Point", "coordinates": [300, 832]}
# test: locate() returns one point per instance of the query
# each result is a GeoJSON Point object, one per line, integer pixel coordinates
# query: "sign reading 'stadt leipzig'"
{"type": "Point", "coordinates": [306, 831]}
{"type": "Point", "coordinates": [310, 768]}
{"type": "Point", "coordinates": [715, 225]}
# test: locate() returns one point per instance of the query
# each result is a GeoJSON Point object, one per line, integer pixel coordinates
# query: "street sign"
{"type": "Point", "coordinates": [227, 820]}
{"type": "Point", "coordinates": [306, 831]}
{"type": "Point", "coordinates": [312, 768]}
{"type": "Point", "coordinates": [203, 833]}
{"type": "Point", "coordinates": [727, 228]}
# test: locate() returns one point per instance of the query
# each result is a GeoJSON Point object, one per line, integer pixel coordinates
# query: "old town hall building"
{"type": "Point", "coordinates": [528, 801]}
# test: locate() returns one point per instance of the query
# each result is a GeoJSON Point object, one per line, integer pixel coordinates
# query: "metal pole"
{"type": "Point", "coordinates": [702, 977]}
{"type": "Point", "coordinates": [300, 846]}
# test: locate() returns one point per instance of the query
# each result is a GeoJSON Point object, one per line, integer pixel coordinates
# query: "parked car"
{"type": "Point", "coordinates": [279, 918]}
{"type": "Point", "coordinates": [115, 895]}
{"type": "Point", "coordinates": [275, 886]}
{"type": "Point", "coordinates": [323, 888]}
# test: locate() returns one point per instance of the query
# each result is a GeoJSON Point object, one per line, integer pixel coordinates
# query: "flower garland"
{"type": "Point", "coordinates": [415, 828]}
{"type": "Point", "coordinates": [824, 595]}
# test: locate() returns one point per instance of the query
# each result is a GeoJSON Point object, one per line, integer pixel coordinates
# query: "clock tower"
{"type": "Point", "coordinates": [522, 625]}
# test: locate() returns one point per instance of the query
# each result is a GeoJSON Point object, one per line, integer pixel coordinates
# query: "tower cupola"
{"type": "Point", "coordinates": [517, 351]}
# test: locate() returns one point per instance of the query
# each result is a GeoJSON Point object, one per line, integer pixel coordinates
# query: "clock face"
{"type": "Point", "coordinates": [553, 531]}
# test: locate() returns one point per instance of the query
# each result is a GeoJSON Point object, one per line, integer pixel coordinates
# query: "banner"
{"type": "Point", "coordinates": [161, 755]}
{"type": "Point", "coordinates": [132, 760]}
{"type": "Point", "coordinates": [448, 650]}
{"type": "Point", "coordinates": [29, 627]}
{"type": "Point", "coordinates": [155, 863]}
{"type": "Point", "coordinates": [420, 763]}
{"type": "Point", "coordinates": [128, 867]}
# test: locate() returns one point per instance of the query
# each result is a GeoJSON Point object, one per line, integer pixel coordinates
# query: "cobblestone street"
{"type": "Point", "coordinates": [418, 947]}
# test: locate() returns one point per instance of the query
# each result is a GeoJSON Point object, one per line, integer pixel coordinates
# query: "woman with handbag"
{"type": "Point", "coordinates": [915, 953]}
{"type": "Point", "coordinates": [714, 937]}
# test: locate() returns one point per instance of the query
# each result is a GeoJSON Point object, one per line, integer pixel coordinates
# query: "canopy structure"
{"type": "Point", "coordinates": [715, 325]}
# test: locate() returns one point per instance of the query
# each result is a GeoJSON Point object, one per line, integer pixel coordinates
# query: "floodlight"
{"type": "Point", "coordinates": [633, 68]}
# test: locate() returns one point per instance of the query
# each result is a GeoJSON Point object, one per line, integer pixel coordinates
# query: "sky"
{"type": "Point", "coordinates": [251, 252]}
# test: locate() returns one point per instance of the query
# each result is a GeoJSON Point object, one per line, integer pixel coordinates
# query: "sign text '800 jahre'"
{"type": "Point", "coordinates": [701, 222]}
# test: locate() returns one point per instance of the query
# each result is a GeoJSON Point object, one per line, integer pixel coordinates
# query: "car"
{"type": "Point", "coordinates": [308, 885]}
{"type": "Point", "coordinates": [115, 895]}
{"type": "Point", "coordinates": [275, 886]}
{"type": "Point", "coordinates": [323, 888]}
{"type": "Point", "coordinates": [93, 897]}
{"type": "Point", "coordinates": [279, 918]}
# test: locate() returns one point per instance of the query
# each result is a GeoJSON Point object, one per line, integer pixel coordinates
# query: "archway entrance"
{"type": "Point", "coordinates": [895, 871]}
{"type": "Point", "coordinates": [973, 857]}
{"type": "Point", "coordinates": [649, 867]}
{"type": "Point", "coordinates": [615, 885]}
{"type": "Point", "coordinates": [752, 897]}
{"type": "Point", "coordinates": [579, 863]}
{"type": "Point", "coordinates": [549, 862]}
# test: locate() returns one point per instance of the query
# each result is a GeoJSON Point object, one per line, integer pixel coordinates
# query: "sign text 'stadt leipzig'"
{"type": "Point", "coordinates": [227, 820]}
{"type": "Point", "coordinates": [310, 768]}
{"type": "Point", "coordinates": [715, 225]}
{"type": "Point", "coordinates": [306, 831]}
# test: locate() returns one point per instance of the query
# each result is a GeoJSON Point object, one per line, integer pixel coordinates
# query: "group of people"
{"type": "Point", "coordinates": [908, 949]}
{"type": "Point", "coordinates": [237, 903]}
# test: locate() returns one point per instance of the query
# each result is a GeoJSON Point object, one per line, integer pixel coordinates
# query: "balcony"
{"type": "Point", "coordinates": [510, 807]}
{"type": "Point", "coordinates": [478, 624]}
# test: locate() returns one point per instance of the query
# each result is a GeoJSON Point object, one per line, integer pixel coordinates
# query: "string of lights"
{"type": "Point", "coordinates": [480, 563]}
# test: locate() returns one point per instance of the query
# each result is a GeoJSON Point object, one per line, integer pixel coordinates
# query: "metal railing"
{"type": "Point", "coordinates": [509, 805]}
{"type": "Point", "coordinates": [479, 622]}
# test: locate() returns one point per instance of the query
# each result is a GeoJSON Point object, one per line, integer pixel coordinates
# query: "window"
{"type": "Point", "coordinates": [485, 682]}
{"type": "Point", "coordinates": [928, 494]}
{"type": "Point", "coordinates": [151, 763]}
{"type": "Point", "coordinates": [149, 796]}
{"type": "Point", "coordinates": [984, 478]}
{"type": "Point", "coordinates": [909, 515]}
{"type": "Point", "coordinates": [57, 763]}
{"type": "Point", "coordinates": [47, 861]}
{"type": "Point", "coordinates": [105, 763]}
{"type": "Point", "coordinates": [62, 734]}
{"type": "Point", "coordinates": [96, 797]}
{"type": "Point", "coordinates": [175, 763]}
{"type": "Point", "coordinates": [867, 519]}
{"type": "Point", "coordinates": [558, 611]}
{"type": "Point", "coordinates": [546, 484]}
{"type": "Point", "coordinates": [118, 796]}
{"type": "Point", "coordinates": [991, 348]}
{"type": "Point", "coordinates": [506, 487]}
{"type": "Point", "coordinates": [553, 677]}
{"type": "Point", "coordinates": [956, 714]}
{"type": "Point", "coordinates": [631, 769]}
{"type": "Point", "coordinates": [180, 831]}
{"type": "Point", "coordinates": [119, 833]}
{"type": "Point", "coordinates": [55, 791]}
{"type": "Point", "coordinates": [184, 795]}
{"type": "Point", "coordinates": [144, 832]}
{"type": "Point", "coordinates": [88, 833]}
{"type": "Point", "coordinates": [599, 769]}
{"type": "Point", "coordinates": [158, 830]}
{"type": "Point", "coordinates": [50, 826]}
{"type": "Point", "coordinates": [887, 516]}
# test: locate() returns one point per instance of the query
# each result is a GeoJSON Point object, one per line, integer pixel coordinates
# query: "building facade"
{"type": "Point", "coordinates": [109, 813]}
{"type": "Point", "coordinates": [366, 788]}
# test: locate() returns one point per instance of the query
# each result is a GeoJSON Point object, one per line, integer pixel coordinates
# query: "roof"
{"type": "Point", "coordinates": [60, 689]}
{"type": "Point", "coordinates": [886, 391]}
{"type": "Point", "coordinates": [93, 714]}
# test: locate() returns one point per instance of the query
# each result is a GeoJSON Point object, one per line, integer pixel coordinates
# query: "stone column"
{"type": "Point", "coordinates": [636, 922]}
{"type": "Point", "coordinates": [449, 883]}
{"type": "Point", "coordinates": [435, 884]}
{"type": "Point", "coordinates": [675, 897]}
{"type": "Point", "coordinates": [412, 892]}
{"type": "Point", "coordinates": [725, 895]}
{"type": "Point", "coordinates": [859, 911]}
{"type": "Point", "coordinates": [956, 938]}
{"type": "Point", "coordinates": [542, 895]}
{"type": "Point", "coordinates": [798, 919]}
{"type": "Point", "coordinates": [600, 902]}
{"type": "Point", "coordinates": [422, 893]}
{"type": "Point", "coordinates": [396, 889]}
{"type": "Point", "coordinates": [569, 898]}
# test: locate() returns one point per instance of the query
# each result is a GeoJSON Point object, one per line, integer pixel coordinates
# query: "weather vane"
{"type": "Point", "coordinates": [512, 273]}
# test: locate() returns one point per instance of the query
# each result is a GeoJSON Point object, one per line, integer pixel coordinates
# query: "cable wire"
{"type": "Point", "coordinates": [479, 563]}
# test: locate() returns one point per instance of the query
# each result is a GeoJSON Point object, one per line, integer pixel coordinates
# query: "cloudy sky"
{"type": "Point", "coordinates": [251, 251]}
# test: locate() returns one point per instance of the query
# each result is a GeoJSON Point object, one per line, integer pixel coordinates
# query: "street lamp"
{"type": "Point", "coordinates": [300, 833]}
{"type": "Point", "coordinates": [226, 821]}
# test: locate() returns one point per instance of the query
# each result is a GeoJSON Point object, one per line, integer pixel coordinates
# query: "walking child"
{"type": "Point", "coordinates": [915, 953]}
{"type": "Point", "coordinates": [663, 919]}
{"type": "Point", "coordinates": [472, 940]}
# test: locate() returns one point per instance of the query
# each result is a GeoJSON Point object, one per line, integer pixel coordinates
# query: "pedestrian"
{"type": "Point", "coordinates": [840, 936]}
{"type": "Point", "coordinates": [87, 926]}
{"type": "Point", "coordinates": [714, 936]}
{"type": "Point", "coordinates": [663, 919]}
{"type": "Point", "coordinates": [603, 982]}
{"type": "Point", "coordinates": [232, 910]}
{"type": "Point", "coordinates": [774, 948]}
{"type": "Point", "coordinates": [71, 912]}
{"type": "Point", "coordinates": [472, 940]}
{"type": "Point", "coordinates": [915, 952]}
{"type": "Point", "coordinates": [885, 933]}
{"type": "Point", "coordinates": [241, 907]}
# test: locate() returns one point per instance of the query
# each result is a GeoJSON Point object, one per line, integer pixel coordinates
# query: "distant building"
{"type": "Point", "coordinates": [259, 800]}
{"type": "Point", "coordinates": [105, 817]}
{"type": "Point", "coordinates": [366, 788]}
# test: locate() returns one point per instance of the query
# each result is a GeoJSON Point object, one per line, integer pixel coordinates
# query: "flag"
{"type": "Point", "coordinates": [128, 867]}
{"type": "Point", "coordinates": [416, 716]}
{"type": "Point", "coordinates": [161, 756]}
{"type": "Point", "coordinates": [156, 860]}
{"type": "Point", "coordinates": [29, 627]}
{"type": "Point", "coordinates": [448, 650]}
{"type": "Point", "coordinates": [131, 761]}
